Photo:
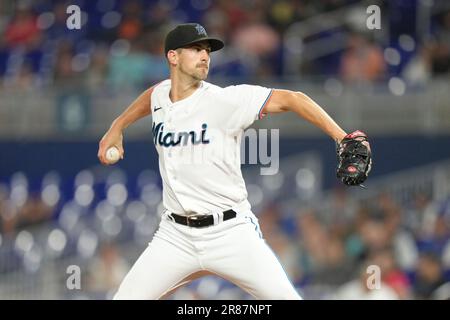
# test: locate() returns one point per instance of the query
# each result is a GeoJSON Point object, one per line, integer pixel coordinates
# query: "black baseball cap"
{"type": "Point", "coordinates": [189, 33]}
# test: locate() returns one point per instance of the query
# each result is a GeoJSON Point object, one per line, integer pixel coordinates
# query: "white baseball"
{"type": "Point", "coordinates": [112, 155]}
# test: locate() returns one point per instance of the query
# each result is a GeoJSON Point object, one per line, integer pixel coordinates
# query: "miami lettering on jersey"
{"type": "Point", "coordinates": [172, 139]}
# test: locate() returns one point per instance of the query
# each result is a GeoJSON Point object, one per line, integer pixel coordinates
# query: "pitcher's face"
{"type": "Point", "coordinates": [193, 60]}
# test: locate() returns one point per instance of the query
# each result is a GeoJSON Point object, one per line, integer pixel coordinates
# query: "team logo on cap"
{"type": "Point", "coordinates": [200, 30]}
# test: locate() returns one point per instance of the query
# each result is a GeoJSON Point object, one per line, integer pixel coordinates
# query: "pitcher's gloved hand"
{"type": "Point", "coordinates": [354, 158]}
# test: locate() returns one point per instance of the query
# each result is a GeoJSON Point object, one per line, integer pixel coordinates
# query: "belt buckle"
{"type": "Point", "coordinates": [194, 221]}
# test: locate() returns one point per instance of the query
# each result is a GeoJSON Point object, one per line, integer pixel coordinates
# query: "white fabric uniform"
{"type": "Point", "coordinates": [198, 141]}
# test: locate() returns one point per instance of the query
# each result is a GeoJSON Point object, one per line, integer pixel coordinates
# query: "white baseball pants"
{"type": "Point", "coordinates": [232, 249]}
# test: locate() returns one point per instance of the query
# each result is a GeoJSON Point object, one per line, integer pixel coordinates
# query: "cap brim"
{"type": "Point", "coordinates": [215, 44]}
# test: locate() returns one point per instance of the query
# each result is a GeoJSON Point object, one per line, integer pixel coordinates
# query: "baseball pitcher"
{"type": "Point", "coordinates": [208, 226]}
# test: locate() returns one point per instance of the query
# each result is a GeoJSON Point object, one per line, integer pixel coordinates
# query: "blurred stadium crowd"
{"type": "Point", "coordinates": [101, 218]}
{"type": "Point", "coordinates": [120, 42]}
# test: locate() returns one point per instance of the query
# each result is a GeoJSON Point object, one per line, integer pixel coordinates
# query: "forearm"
{"type": "Point", "coordinates": [306, 108]}
{"type": "Point", "coordinates": [138, 109]}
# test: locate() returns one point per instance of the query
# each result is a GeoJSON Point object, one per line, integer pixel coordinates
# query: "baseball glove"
{"type": "Point", "coordinates": [354, 158]}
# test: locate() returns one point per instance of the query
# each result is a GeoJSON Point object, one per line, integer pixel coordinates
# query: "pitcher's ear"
{"type": "Point", "coordinates": [172, 56]}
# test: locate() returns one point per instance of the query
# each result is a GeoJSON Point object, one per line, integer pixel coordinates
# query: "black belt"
{"type": "Point", "coordinates": [201, 221]}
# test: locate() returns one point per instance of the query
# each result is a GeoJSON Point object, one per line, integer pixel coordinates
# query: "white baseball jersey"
{"type": "Point", "coordinates": [198, 141]}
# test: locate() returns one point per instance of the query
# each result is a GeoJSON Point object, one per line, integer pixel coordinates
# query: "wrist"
{"type": "Point", "coordinates": [340, 136]}
{"type": "Point", "coordinates": [118, 125]}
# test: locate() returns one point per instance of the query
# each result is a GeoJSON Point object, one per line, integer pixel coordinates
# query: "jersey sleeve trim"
{"type": "Point", "coordinates": [260, 113]}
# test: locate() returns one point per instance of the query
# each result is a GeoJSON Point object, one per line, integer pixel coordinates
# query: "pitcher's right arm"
{"type": "Point", "coordinates": [139, 108]}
